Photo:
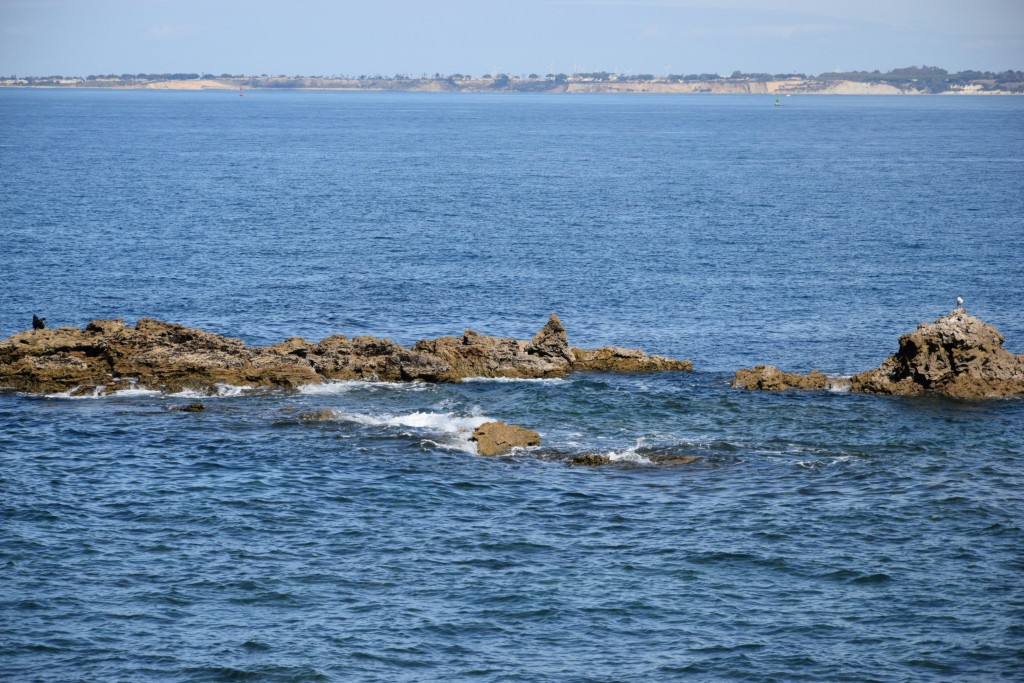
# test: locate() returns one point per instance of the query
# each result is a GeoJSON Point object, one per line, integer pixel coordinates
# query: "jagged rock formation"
{"type": "Point", "coordinates": [496, 438]}
{"type": "Point", "coordinates": [477, 355]}
{"type": "Point", "coordinates": [958, 356]}
{"type": "Point", "coordinates": [160, 355]}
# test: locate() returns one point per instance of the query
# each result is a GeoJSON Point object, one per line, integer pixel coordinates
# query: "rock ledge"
{"type": "Point", "coordinates": [108, 356]}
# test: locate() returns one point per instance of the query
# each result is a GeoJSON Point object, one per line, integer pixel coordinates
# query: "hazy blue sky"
{"type": "Point", "coordinates": [313, 37]}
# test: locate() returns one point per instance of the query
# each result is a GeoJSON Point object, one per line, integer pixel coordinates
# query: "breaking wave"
{"type": "Point", "coordinates": [100, 391]}
{"type": "Point", "coordinates": [632, 454]}
{"type": "Point", "coordinates": [445, 430]}
{"type": "Point", "coordinates": [219, 391]}
{"type": "Point", "coordinates": [335, 387]}
{"type": "Point", "coordinates": [499, 380]}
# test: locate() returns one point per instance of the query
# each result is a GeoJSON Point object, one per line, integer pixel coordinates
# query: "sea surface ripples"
{"type": "Point", "coordinates": [817, 536]}
{"type": "Point", "coordinates": [244, 542]}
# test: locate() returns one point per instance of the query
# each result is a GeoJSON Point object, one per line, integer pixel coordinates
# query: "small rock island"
{"type": "Point", "coordinates": [957, 356]}
{"type": "Point", "coordinates": [108, 356]}
{"type": "Point", "coordinates": [498, 438]}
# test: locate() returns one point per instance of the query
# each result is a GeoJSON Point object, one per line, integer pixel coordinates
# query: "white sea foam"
{"type": "Point", "coordinates": [839, 385]}
{"type": "Point", "coordinates": [335, 387]}
{"type": "Point", "coordinates": [220, 391]}
{"type": "Point", "coordinates": [814, 464]}
{"type": "Point", "coordinates": [445, 430]}
{"type": "Point", "coordinates": [130, 393]}
{"type": "Point", "coordinates": [97, 392]}
{"type": "Point", "coordinates": [499, 380]}
{"type": "Point", "coordinates": [100, 392]}
{"type": "Point", "coordinates": [631, 454]}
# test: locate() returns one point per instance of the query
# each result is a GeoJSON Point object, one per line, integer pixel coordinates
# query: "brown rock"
{"type": "Point", "coordinates": [478, 355]}
{"type": "Point", "coordinates": [293, 346]}
{"type": "Point", "coordinates": [171, 357]}
{"type": "Point", "coordinates": [105, 326]}
{"type": "Point", "coordinates": [958, 355]}
{"type": "Point", "coordinates": [551, 342]}
{"type": "Point", "coordinates": [614, 359]}
{"type": "Point", "coordinates": [495, 438]}
{"type": "Point", "coordinates": [153, 354]}
{"type": "Point", "coordinates": [770, 378]}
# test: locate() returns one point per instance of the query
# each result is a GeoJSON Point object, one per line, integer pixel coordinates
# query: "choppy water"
{"type": "Point", "coordinates": [819, 537]}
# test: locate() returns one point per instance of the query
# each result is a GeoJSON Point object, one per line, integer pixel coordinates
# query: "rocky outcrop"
{"type": "Point", "coordinates": [363, 358]}
{"type": "Point", "coordinates": [154, 354]}
{"type": "Point", "coordinates": [477, 355]}
{"type": "Point", "coordinates": [958, 356]}
{"type": "Point", "coordinates": [770, 378]}
{"type": "Point", "coordinates": [108, 355]}
{"type": "Point", "coordinates": [496, 438]}
{"type": "Point", "coordinates": [614, 359]}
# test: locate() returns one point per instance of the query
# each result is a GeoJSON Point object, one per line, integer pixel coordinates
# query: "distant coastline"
{"type": "Point", "coordinates": [908, 81]}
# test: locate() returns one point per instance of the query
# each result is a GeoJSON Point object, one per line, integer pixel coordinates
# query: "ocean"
{"type": "Point", "coordinates": [819, 536]}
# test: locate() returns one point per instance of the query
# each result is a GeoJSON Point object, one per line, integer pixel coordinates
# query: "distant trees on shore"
{"type": "Point", "coordinates": [933, 79]}
{"type": "Point", "coordinates": [914, 78]}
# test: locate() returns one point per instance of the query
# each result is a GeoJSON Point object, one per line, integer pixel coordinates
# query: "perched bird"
{"type": "Point", "coordinates": [38, 323]}
{"type": "Point", "coordinates": [959, 302]}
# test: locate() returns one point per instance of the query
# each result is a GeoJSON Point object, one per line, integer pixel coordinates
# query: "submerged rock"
{"type": "Point", "coordinates": [597, 460]}
{"type": "Point", "coordinates": [958, 355]}
{"type": "Point", "coordinates": [189, 408]}
{"type": "Point", "coordinates": [169, 357]}
{"type": "Point", "coordinates": [672, 460]}
{"type": "Point", "coordinates": [495, 438]}
{"type": "Point", "coordinates": [318, 415]}
{"type": "Point", "coordinates": [590, 460]}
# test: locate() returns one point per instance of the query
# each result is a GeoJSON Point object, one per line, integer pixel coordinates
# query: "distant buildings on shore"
{"type": "Point", "coordinates": [910, 80]}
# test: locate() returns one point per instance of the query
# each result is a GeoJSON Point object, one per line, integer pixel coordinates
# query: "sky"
{"type": "Point", "coordinates": [347, 37]}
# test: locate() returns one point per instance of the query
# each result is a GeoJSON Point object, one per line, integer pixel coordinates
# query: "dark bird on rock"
{"type": "Point", "coordinates": [38, 323]}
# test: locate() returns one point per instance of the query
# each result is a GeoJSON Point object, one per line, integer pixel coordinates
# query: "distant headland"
{"type": "Point", "coordinates": [914, 80]}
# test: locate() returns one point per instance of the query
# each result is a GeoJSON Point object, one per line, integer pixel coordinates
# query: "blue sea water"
{"type": "Point", "coordinates": [819, 536]}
